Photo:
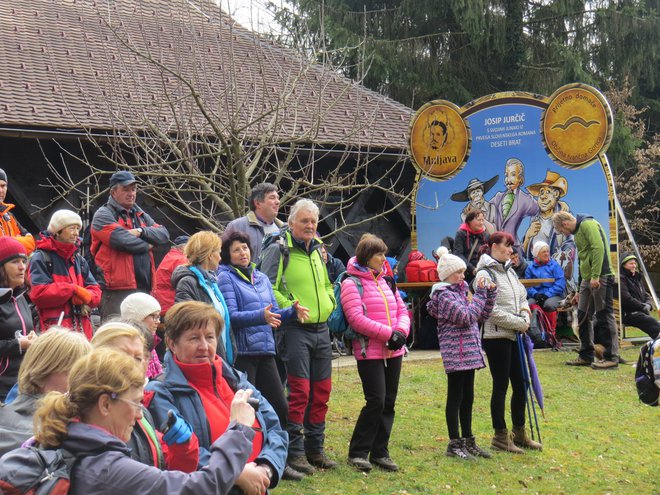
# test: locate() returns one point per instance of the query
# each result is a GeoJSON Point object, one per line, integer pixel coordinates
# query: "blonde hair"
{"type": "Point", "coordinates": [113, 330]}
{"type": "Point", "coordinates": [191, 314]}
{"type": "Point", "coordinates": [55, 351]}
{"type": "Point", "coordinates": [103, 371]}
{"type": "Point", "coordinates": [201, 245]}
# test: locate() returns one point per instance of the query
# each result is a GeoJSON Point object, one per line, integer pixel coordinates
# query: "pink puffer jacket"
{"type": "Point", "coordinates": [385, 312]}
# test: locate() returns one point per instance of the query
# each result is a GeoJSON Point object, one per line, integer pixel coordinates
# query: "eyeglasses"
{"type": "Point", "coordinates": [137, 405]}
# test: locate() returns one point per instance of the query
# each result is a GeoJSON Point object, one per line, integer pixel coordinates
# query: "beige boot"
{"type": "Point", "coordinates": [521, 439]}
{"type": "Point", "coordinates": [502, 441]}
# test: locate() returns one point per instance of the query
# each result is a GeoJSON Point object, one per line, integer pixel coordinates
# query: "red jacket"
{"type": "Point", "coordinates": [163, 290]}
{"type": "Point", "coordinates": [125, 261]}
{"type": "Point", "coordinates": [54, 277]}
{"type": "Point", "coordinates": [10, 226]}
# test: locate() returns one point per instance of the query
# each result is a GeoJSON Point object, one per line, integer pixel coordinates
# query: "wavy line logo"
{"type": "Point", "coordinates": [577, 125]}
{"type": "Point", "coordinates": [575, 120]}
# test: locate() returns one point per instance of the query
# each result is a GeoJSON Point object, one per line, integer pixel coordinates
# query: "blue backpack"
{"type": "Point", "coordinates": [337, 323]}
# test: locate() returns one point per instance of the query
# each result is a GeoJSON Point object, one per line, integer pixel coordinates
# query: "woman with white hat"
{"type": "Point", "coordinates": [63, 287]}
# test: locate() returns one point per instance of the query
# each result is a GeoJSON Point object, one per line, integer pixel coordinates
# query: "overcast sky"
{"type": "Point", "coordinates": [252, 13]}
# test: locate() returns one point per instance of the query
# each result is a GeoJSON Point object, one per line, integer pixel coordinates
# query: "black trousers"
{"type": "Point", "coordinates": [262, 373]}
{"type": "Point", "coordinates": [504, 364]}
{"type": "Point", "coordinates": [380, 384]}
{"type": "Point", "coordinates": [644, 322]}
{"type": "Point", "coordinates": [460, 396]}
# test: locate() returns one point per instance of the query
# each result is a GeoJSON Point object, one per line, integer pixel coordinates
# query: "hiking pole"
{"type": "Point", "coordinates": [528, 393]}
{"type": "Point", "coordinates": [524, 358]}
{"type": "Point", "coordinates": [529, 398]}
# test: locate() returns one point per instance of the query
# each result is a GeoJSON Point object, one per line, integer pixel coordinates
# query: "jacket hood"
{"type": "Point", "coordinates": [579, 218]}
{"type": "Point", "coordinates": [447, 286]}
{"type": "Point", "coordinates": [360, 271]}
{"type": "Point", "coordinates": [490, 262]}
{"type": "Point", "coordinates": [48, 243]}
{"type": "Point", "coordinates": [183, 271]}
{"type": "Point", "coordinates": [90, 439]}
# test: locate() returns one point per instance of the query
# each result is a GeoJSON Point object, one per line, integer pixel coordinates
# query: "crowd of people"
{"type": "Point", "coordinates": [237, 397]}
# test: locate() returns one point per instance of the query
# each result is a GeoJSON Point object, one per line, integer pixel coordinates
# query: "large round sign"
{"type": "Point", "coordinates": [577, 125]}
{"type": "Point", "coordinates": [439, 139]}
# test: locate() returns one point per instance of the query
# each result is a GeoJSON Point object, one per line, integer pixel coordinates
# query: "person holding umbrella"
{"type": "Point", "coordinates": [510, 316]}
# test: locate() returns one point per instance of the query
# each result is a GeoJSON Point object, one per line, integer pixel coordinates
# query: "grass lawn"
{"type": "Point", "coordinates": [598, 438]}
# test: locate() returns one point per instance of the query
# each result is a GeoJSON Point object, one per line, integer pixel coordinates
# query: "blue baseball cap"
{"type": "Point", "coordinates": [122, 178]}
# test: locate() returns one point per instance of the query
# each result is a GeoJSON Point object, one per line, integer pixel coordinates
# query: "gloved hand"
{"type": "Point", "coordinates": [81, 296]}
{"type": "Point", "coordinates": [179, 430]}
{"type": "Point", "coordinates": [397, 341]}
{"type": "Point", "coordinates": [540, 299]}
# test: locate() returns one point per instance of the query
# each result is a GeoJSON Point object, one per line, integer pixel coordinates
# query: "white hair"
{"type": "Point", "coordinates": [303, 204]}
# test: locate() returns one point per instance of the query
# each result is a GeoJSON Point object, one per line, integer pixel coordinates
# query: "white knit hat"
{"type": "Point", "coordinates": [62, 219]}
{"type": "Point", "coordinates": [538, 245]}
{"type": "Point", "coordinates": [448, 263]}
{"type": "Point", "coordinates": [138, 306]}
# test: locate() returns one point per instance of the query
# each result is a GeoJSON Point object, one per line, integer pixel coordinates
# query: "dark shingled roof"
{"type": "Point", "coordinates": [70, 64]}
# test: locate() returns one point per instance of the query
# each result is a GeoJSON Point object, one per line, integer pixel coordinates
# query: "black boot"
{"type": "Point", "coordinates": [455, 449]}
{"type": "Point", "coordinates": [471, 447]}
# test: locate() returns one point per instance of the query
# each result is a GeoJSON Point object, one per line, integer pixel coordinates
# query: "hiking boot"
{"type": "Point", "coordinates": [361, 463]}
{"type": "Point", "coordinates": [385, 463]}
{"type": "Point", "coordinates": [502, 441]}
{"type": "Point", "coordinates": [604, 365]}
{"type": "Point", "coordinates": [299, 463]}
{"type": "Point", "coordinates": [455, 449]}
{"type": "Point", "coordinates": [622, 361]}
{"type": "Point", "coordinates": [578, 361]}
{"type": "Point", "coordinates": [470, 445]}
{"type": "Point", "coordinates": [522, 439]}
{"type": "Point", "coordinates": [320, 460]}
{"type": "Point", "coordinates": [291, 474]}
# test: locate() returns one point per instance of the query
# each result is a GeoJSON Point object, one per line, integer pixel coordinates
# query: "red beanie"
{"type": "Point", "coordinates": [10, 248]}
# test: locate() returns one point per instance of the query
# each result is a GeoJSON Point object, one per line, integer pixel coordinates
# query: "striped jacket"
{"type": "Point", "coordinates": [458, 324]}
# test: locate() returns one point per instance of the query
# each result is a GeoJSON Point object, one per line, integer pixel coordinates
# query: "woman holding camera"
{"type": "Point", "coordinates": [374, 309]}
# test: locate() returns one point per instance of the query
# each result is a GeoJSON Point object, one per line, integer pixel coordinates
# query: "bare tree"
{"type": "Point", "coordinates": [200, 110]}
{"type": "Point", "coordinates": [637, 184]}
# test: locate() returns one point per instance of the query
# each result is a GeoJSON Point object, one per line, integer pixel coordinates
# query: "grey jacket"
{"type": "Point", "coordinates": [251, 226]}
{"type": "Point", "coordinates": [508, 316]}
{"type": "Point", "coordinates": [106, 467]}
{"type": "Point", "coordinates": [16, 422]}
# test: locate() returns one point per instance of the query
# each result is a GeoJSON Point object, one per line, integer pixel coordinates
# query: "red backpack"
{"type": "Point", "coordinates": [422, 271]}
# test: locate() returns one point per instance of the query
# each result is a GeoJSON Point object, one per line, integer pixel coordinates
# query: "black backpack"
{"type": "Point", "coordinates": [35, 471]}
{"type": "Point", "coordinates": [647, 390]}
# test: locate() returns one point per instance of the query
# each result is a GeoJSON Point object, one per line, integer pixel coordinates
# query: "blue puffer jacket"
{"type": "Point", "coordinates": [175, 393]}
{"type": "Point", "coordinates": [549, 270]}
{"type": "Point", "coordinates": [246, 299]}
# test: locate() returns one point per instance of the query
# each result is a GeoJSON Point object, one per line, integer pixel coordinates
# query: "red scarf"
{"type": "Point", "coordinates": [216, 396]}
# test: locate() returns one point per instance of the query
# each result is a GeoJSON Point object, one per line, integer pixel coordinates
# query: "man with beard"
{"type": "Point", "coordinates": [562, 247]}
{"type": "Point", "coordinates": [514, 204]}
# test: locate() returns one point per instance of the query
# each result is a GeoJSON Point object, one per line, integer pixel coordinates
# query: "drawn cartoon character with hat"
{"type": "Point", "coordinates": [474, 194]}
{"type": "Point", "coordinates": [548, 194]}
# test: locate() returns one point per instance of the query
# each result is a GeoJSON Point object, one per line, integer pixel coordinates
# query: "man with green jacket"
{"type": "Point", "coordinates": [295, 267]}
{"type": "Point", "coordinates": [596, 289]}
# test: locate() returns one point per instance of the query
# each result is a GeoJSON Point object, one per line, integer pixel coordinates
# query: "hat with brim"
{"type": "Point", "coordinates": [552, 179]}
{"type": "Point", "coordinates": [122, 178]}
{"type": "Point", "coordinates": [464, 195]}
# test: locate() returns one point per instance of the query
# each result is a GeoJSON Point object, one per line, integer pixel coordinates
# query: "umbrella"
{"type": "Point", "coordinates": [533, 371]}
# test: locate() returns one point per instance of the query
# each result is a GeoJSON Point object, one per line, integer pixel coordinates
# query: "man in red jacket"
{"type": "Point", "coordinates": [123, 237]}
{"type": "Point", "coordinates": [163, 290]}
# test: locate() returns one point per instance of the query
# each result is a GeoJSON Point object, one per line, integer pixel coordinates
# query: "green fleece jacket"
{"type": "Point", "coordinates": [591, 243]}
{"type": "Point", "coordinates": [305, 278]}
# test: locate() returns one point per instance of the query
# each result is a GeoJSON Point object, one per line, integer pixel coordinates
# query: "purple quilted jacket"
{"type": "Point", "coordinates": [458, 324]}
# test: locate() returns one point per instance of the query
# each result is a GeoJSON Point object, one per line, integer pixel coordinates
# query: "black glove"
{"type": "Point", "coordinates": [541, 299]}
{"type": "Point", "coordinates": [397, 341]}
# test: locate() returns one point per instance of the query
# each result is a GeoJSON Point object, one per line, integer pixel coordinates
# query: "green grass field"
{"type": "Point", "coordinates": [598, 438]}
